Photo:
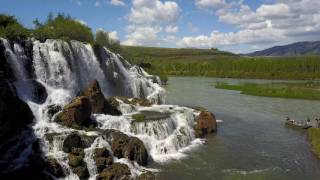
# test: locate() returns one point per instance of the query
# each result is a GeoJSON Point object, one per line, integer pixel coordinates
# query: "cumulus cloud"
{"type": "Point", "coordinates": [117, 2]}
{"type": "Point", "coordinates": [172, 29]}
{"type": "Point", "coordinates": [147, 18]}
{"type": "Point", "coordinates": [113, 35]}
{"type": "Point", "coordinates": [281, 21]}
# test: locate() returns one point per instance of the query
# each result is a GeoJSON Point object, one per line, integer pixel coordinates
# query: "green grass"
{"type": "Point", "coordinates": [274, 90]}
{"type": "Point", "coordinates": [314, 137]}
{"type": "Point", "coordinates": [215, 63]}
{"type": "Point", "coordinates": [139, 117]}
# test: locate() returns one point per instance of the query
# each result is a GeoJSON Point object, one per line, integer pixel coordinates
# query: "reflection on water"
{"type": "Point", "coordinates": [252, 142]}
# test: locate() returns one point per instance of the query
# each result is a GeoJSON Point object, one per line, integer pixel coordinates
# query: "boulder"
{"type": "Point", "coordinates": [75, 160]}
{"type": "Point", "coordinates": [81, 171]}
{"type": "Point", "coordinates": [115, 171]}
{"type": "Point", "coordinates": [146, 176]}
{"type": "Point", "coordinates": [124, 146]}
{"type": "Point", "coordinates": [93, 92]}
{"type": "Point", "coordinates": [75, 143]}
{"type": "Point", "coordinates": [52, 110]}
{"type": "Point", "coordinates": [76, 114]}
{"type": "Point", "coordinates": [39, 92]}
{"type": "Point", "coordinates": [103, 158]}
{"type": "Point", "coordinates": [54, 168]}
{"type": "Point", "coordinates": [205, 123]}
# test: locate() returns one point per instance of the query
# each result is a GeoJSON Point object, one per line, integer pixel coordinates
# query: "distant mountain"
{"type": "Point", "coordinates": [299, 48]}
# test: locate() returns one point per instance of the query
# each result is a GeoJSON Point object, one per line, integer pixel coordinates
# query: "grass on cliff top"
{"type": "Point", "coordinates": [314, 137]}
{"type": "Point", "coordinates": [293, 91]}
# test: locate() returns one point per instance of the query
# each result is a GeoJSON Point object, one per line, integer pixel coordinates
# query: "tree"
{"type": "Point", "coordinates": [103, 39]}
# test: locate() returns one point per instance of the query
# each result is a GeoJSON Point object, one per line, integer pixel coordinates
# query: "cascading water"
{"type": "Point", "coordinates": [64, 69]}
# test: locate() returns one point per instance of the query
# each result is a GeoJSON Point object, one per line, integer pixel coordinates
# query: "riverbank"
{"type": "Point", "coordinates": [314, 138]}
{"type": "Point", "coordinates": [309, 91]}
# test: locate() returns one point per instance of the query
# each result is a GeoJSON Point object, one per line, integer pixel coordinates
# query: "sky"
{"type": "Point", "coordinates": [238, 26]}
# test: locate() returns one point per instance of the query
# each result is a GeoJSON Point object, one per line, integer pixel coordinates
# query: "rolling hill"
{"type": "Point", "coordinates": [299, 48]}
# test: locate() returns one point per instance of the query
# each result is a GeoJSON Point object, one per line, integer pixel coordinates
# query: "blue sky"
{"type": "Point", "coordinates": [233, 25]}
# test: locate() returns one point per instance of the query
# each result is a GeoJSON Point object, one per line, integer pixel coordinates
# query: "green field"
{"type": "Point", "coordinates": [215, 63]}
{"type": "Point", "coordinates": [310, 91]}
{"type": "Point", "coordinates": [314, 138]}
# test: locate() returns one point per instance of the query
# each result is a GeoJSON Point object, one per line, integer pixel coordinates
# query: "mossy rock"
{"type": "Point", "coordinates": [75, 160]}
{"type": "Point", "coordinates": [115, 171]}
{"type": "Point", "coordinates": [81, 171]}
{"type": "Point", "coordinates": [139, 117]}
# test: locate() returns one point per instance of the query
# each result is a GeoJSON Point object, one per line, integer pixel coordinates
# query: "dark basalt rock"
{"type": "Point", "coordinates": [53, 109]}
{"type": "Point", "coordinates": [74, 143]}
{"type": "Point", "coordinates": [124, 146]}
{"type": "Point", "coordinates": [39, 92]}
{"type": "Point", "coordinates": [115, 171]}
{"type": "Point", "coordinates": [205, 123]}
{"type": "Point", "coordinates": [76, 114]}
{"type": "Point", "coordinates": [54, 168]}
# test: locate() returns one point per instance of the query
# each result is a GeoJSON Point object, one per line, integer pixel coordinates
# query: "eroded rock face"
{"type": "Point", "coordinates": [99, 104]}
{"type": "Point", "coordinates": [103, 158]}
{"type": "Point", "coordinates": [205, 123]}
{"type": "Point", "coordinates": [96, 97]}
{"type": "Point", "coordinates": [124, 146]}
{"type": "Point", "coordinates": [76, 114]}
{"type": "Point", "coordinates": [115, 171]}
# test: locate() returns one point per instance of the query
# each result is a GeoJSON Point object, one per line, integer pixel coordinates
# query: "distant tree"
{"type": "Point", "coordinates": [10, 28]}
{"type": "Point", "coordinates": [103, 39]}
{"type": "Point", "coordinates": [62, 27]}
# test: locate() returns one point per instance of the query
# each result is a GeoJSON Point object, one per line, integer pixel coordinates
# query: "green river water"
{"type": "Point", "coordinates": [252, 142]}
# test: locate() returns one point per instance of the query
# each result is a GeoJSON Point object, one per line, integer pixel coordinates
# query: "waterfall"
{"type": "Point", "coordinates": [65, 68]}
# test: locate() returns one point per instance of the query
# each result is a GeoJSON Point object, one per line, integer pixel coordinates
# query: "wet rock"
{"type": "Point", "coordinates": [39, 92]}
{"type": "Point", "coordinates": [54, 168]}
{"type": "Point", "coordinates": [110, 107]}
{"type": "Point", "coordinates": [124, 146]}
{"type": "Point", "coordinates": [103, 158]}
{"type": "Point", "coordinates": [75, 143]}
{"type": "Point", "coordinates": [136, 101]}
{"type": "Point", "coordinates": [53, 109]}
{"type": "Point", "coordinates": [146, 176]}
{"type": "Point", "coordinates": [75, 160]}
{"type": "Point", "coordinates": [81, 171]}
{"type": "Point", "coordinates": [115, 171]}
{"type": "Point", "coordinates": [93, 92]}
{"type": "Point", "coordinates": [76, 114]}
{"type": "Point", "coordinates": [205, 124]}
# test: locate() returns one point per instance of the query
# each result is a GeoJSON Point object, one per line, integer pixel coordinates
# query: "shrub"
{"type": "Point", "coordinates": [11, 29]}
{"type": "Point", "coordinates": [62, 27]}
{"type": "Point", "coordinates": [103, 39]}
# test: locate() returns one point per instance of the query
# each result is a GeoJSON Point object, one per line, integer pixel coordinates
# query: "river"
{"type": "Point", "coordinates": [252, 142]}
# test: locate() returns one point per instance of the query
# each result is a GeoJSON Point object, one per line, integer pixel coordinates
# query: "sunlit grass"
{"type": "Point", "coordinates": [293, 91]}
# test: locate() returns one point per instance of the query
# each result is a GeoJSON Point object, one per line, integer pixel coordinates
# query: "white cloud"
{"type": "Point", "coordinates": [150, 11]}
{"type": "Point", "coordinates": [117, 2]}
{"type": "Point", "coordinates": [142, 35]}
{"type": "Point", "coordinates": [283, 21]}
{"type": "Point", "coordinates": [97, 3]}
{"type": "Point", "coordinates": [172, 29]}
{"type": "Point", "coordinates": [147, 18]}
{"type": "Point", "coordinates": [82, 22]}
{"type": "Point", "coordinates": [114, 35]}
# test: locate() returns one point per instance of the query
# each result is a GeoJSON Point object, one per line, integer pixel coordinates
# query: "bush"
{"type": "Point", "coordinates": [103, 39]}
{"type": "Point", "coordinates": [11, 29]}
{"type": "Point", "coordinates": [62, 27]}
